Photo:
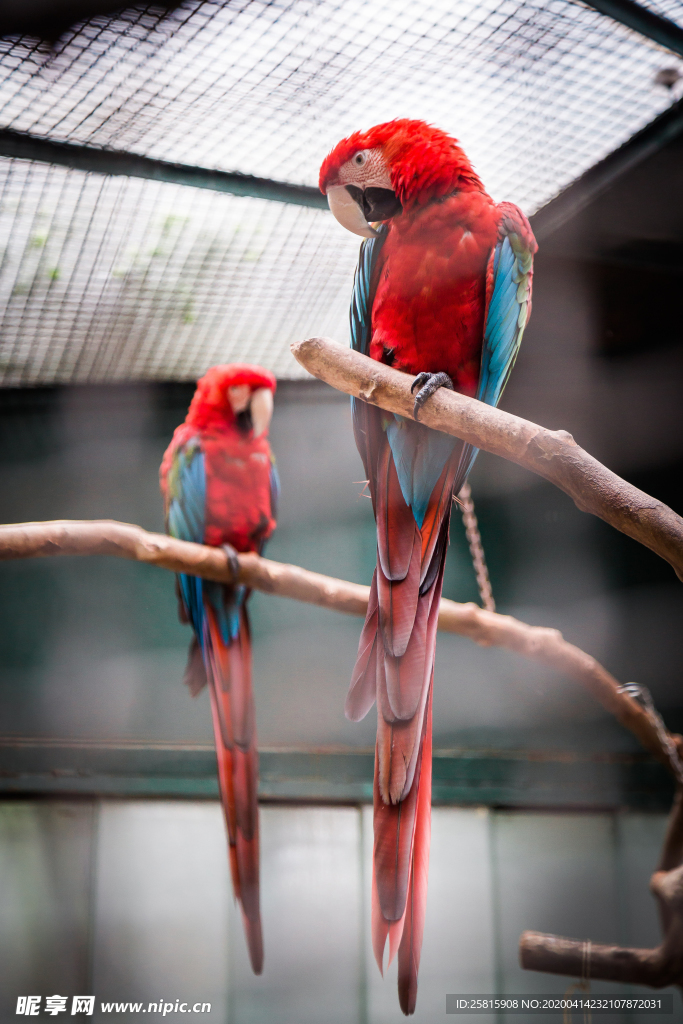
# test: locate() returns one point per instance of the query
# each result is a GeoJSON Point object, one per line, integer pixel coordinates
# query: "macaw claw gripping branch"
{"type": "Point", "coordinates": [552, 454]}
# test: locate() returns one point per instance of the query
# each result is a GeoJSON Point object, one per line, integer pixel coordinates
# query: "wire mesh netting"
{"type": "Point", "coordinates": [671, 9]}
{"type": "Point", "coordinates": [115, 278]}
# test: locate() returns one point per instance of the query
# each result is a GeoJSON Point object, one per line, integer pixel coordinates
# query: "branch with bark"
{"type": "Point", "coordinates": [488, 629]}
{"type": "Point", "coordinates": [657, 967]}
{"type": "Point", "coordinates": [552, 454]}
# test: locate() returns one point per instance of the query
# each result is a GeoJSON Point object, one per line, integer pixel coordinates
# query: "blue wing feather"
{"type": "Point", "coordinates": [506, 317]}
{"type": "Point", "coordinates": [505, 321]}
{"type": "Point", "coordinates": [187, 493]}
{"type": "Point", "coordinates": [360, 313]}
{"type": "Point", "coordinates": [185, 519]}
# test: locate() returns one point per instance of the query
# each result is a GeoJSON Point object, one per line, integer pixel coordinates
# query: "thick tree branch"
{"type": "Point", "coordinates": [551, 954]}
{"type": "Point", "coordinates": [552, 454]}
{"type": "Point", "coordinates": [123, 540]}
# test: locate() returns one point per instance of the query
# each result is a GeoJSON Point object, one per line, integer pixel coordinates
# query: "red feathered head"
{"type": "Point", "coordinates": [227, 390]}
{"type": "Point", "coordinates": [396, 166]}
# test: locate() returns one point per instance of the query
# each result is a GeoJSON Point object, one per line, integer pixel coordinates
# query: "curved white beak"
{"type": "Point", "coordinates": [347, 211]}
{"type": "Point", "coordinates": [261, 410]}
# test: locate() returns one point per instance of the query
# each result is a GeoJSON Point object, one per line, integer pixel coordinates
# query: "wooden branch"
{"type": "Point", "coordinates": [123, 540]}
{"type": "Point", "coordinates": [553, 955]}
{"type": "Point", "coordinates": [672, 850]}
{"type": "Point", "coordinates": [552, 454]}
{"type": "Point", "coordinates": [548, 647]}
{"type": "Point", "coordinates": [657, 967]}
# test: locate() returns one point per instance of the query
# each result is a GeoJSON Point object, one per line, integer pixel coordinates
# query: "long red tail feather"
{"type": "Point", "coordinates": [362, 692]}
{"type": "Point", "coordinates": [396, 664]}
{"type": "Point", "coordinates": [232, 705]}
{"type": "Point", "coordinates": [416, 904]}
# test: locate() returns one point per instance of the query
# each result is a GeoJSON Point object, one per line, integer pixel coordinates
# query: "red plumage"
{"type": "Point", "coordinates": [431, 290]}
{"type": "Point", "coordinates": [430, 280]}
{"type": "Point", "coordinates": [428, 298]}
{"type": "Point", "coordinates": [425, 163]}
{"type": "Point", "coordinates": [238, 465]}
{"type": "Point", "coordinates": [236, 509]}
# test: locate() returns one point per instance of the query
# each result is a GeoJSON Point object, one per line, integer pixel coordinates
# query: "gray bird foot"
{"type": "Point", "coordinates": [233, 560]}
{"type": "Point", "coordinates": [428, 383]}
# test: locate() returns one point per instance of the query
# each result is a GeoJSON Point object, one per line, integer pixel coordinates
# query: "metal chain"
{"type": "Point", "coordinates": [644, 698]}
{"type": "Point", "coordinates": [464, 499]}
{"type": "Point", "coordinates": [580, 986]}
{"type": "Point", "coordinates": [586, 976]}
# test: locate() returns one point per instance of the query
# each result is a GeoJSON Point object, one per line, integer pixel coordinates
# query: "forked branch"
{"type": "Point", "coordinates": [553, 454]}
{"type": "Point", "coordinates": [657, 967]}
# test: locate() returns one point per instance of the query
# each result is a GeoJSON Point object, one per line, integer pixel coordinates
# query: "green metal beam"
{"type": "Point", "coordinates": [105, 161]}
{"type": "Point", "coordinates": [640, 19]}
{"type": "Point", "coordinates": [488, 777]}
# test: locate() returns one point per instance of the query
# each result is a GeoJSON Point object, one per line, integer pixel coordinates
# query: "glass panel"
{"type": "Point", "coordinates": [162, 904]}
{"type": "Point", "coordinates": [45, 866]}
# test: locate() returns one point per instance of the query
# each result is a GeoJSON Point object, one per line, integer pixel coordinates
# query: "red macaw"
{"type": "Point", "coordinates": [220, 487]}
{"type": "Point", "coordinates": [442, 291]}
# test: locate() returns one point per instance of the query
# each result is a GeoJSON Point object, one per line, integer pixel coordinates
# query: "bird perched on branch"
{"type": "Point", "coordinates": [443, 292]}
{"type": "Point", "coordinates": [220, 487]}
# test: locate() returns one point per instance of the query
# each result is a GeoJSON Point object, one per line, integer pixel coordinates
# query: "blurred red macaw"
{"type": "Point", "coordinates": [220, 487]}
{"type": "Point", "coordinates": [442, 291]}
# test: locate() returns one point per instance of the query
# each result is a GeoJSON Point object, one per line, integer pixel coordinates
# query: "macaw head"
{"type": "Point", "coordinates": [233, 393]}
{"type": "Point", "coordinates": [394, 167]}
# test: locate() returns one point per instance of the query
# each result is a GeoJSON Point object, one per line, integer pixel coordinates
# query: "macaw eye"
{"type": "Point", "coordinates": [360, 158]}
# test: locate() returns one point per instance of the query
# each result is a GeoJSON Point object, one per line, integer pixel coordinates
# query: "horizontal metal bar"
{"type": "Point", "coordinates": [106, 161]}
{"type": "Point", "coordinates": [494, 778]}
{"type": "Point", "coordinates": [654, 26]}
{"type": "Point", "coordinates": [597, 179]}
